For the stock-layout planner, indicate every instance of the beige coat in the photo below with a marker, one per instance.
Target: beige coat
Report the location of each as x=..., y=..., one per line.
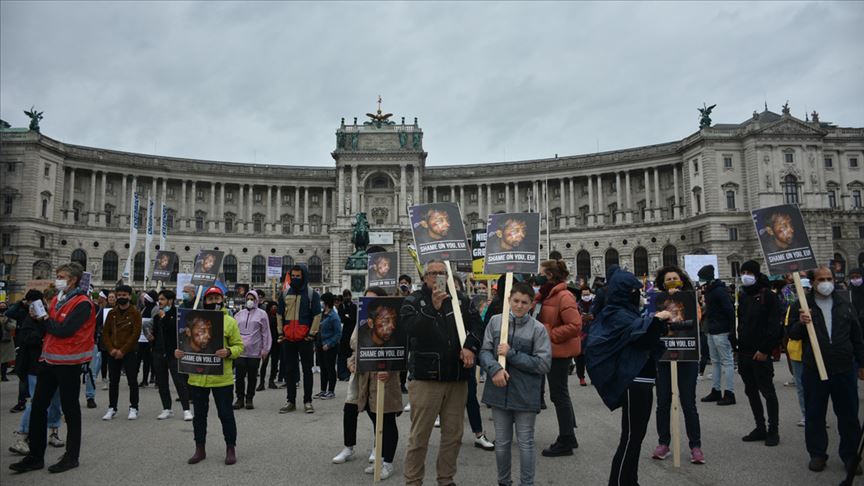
x=367, y=387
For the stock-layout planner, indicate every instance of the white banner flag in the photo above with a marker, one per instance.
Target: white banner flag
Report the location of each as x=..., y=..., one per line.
x=134, y=223
x=148, y=239
x=163, y=228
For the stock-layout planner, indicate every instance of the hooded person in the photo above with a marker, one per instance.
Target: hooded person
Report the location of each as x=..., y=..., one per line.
x=622, y=349
x=298, y=320
x=718, y=320
x=856, y=289
x=254, y=324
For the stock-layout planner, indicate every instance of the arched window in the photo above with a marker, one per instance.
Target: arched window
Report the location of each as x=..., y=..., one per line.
x=640, y=262
x=611, y=257
x=287, y=263
x=259, y=269
x=80, y=256
x=229, y=268
x=109, y=266
x=316, y=268
x=555, y=255
x=41, y=270
x=138, y=267
x=583, y=264
x=790, y=189
x=670, y=255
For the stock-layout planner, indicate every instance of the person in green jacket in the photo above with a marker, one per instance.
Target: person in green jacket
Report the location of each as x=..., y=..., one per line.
x=222, y=385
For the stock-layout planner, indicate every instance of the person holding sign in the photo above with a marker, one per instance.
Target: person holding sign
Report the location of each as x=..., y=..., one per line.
x=440, y=370
x=515, y=396
x=222, y=386
x=673, y=280
x=560, y=314
x=120, y=337
x=164, y=363
x=839, y=334
x=760, y=329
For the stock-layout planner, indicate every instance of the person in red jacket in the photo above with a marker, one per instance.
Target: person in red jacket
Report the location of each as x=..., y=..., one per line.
x=68, y=325
x=559, y=313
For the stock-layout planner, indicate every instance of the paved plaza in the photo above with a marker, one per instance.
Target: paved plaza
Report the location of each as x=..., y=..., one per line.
x=296, y=448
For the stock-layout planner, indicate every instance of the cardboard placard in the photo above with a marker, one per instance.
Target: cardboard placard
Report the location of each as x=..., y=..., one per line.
x=382, y=343
x=439, y=233
x=512, y=243
x=682, y=341
x=183, y=279
x=200, y=333
x=783, y=239
x=163, y=265
x=382, y=271
x=207, y=265
x=274, y=267
x=478, y=255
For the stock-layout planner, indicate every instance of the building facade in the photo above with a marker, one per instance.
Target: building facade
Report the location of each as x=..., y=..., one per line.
x=640, y=207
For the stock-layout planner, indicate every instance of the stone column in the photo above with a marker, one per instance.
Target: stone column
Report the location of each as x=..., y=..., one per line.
x=507, y=197
x=340, y=191
x=572, y=201
x=616, y=218
x=250, y=209
x=297, y=207
x=452, y=193
x=278, y=219
x=124, y=196
x=489, y=200
x=480, y=202
x=355, y=201
x=240, y=215
x=213, y=217
x=164, y=192
x=153, y=189
x=516, y=197
x=601, y=208
x=91, y=220
x=591, y=218
x=102, y=195
x=306, y=209
x=629, y=198
x=676, y=206
x=648, y=213
x=403, y=191
x=194, y=197
x=658, y=212
x=71, y=190
x=222, y=200
x=183, y=200
x=324, y=192
x=562, y=198
x=462, y=199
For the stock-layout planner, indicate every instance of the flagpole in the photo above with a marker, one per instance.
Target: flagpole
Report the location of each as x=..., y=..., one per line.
x=546, y=203
x=148, y=239
x=133, y=235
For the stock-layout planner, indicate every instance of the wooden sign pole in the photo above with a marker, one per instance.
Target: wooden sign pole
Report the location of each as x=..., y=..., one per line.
x=811, y=332
x=379, y=427
x=198, y=296
x=676, y=422
x=505, y=316
x=457, y=309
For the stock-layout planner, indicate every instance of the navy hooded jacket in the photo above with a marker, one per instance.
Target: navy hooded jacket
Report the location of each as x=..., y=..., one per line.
x=621, y=341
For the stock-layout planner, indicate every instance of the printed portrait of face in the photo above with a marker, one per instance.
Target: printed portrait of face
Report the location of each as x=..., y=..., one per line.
x=207, y=263
x=780, y=227
x=383, y=325
x=164, y=260
x=676, y=308
x=436, y=223
x=512, y=233
x=381, y=267
x=199, y=332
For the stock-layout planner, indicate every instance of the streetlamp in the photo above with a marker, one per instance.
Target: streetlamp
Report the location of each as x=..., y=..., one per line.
x=10, y=258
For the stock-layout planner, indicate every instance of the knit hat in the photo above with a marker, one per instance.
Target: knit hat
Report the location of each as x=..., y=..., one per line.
x=751, y=266
x=706, y=273
x=854, y=270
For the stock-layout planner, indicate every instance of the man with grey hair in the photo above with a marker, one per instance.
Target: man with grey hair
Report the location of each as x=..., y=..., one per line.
x=836, y=326
x=440, y=371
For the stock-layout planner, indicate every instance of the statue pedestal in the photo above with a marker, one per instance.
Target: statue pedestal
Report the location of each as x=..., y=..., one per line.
x=354, y=280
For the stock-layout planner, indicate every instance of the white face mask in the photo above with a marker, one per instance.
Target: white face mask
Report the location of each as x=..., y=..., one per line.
x=856, y=282
x=587, y=298
x=748, y=280
x=825, y=288
x=250, y=304
x=60, y=284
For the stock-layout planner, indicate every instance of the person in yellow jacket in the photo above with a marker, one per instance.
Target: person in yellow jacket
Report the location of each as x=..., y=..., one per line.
x=795, y=351
x=222, y=385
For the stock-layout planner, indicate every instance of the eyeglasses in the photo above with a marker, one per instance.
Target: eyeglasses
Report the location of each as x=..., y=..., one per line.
x=436, y=273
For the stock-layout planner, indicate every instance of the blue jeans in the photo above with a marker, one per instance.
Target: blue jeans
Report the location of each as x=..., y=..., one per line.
x=54, y=413
x=843, y=390
x=90, y=381
x=722, y=361
x=798, y=374
x=505, y=420
x=687, y=373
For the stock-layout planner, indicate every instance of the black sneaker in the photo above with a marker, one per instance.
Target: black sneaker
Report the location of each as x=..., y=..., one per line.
x=557, y=449
x=817, y=464
x=728, y=399
x=755, y=435
x=29, y=463
x=714, y=396
x=63, y=465
x=19, y=407
x=772, y=439
x=91, y=403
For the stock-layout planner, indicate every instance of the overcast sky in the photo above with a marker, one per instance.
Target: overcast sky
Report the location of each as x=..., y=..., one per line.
x=489, y=81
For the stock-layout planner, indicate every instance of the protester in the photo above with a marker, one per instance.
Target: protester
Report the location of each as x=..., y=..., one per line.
x=272, y=357
x=515, y=396
x=718, y=318
x=91, y=370
x=7, y=344
x=672, y=279
x=560, y=314
x=759, y=332
x=299, y=318
x=68, y=329
x=189, y=297
x=842, y=346
x=440, y=369
x=795, y=354
x=856, y=289
x=586, y=298
x=19, y=313
x=200, y=386
x=164, y=362
x=254, y=324
x=404, y=290
x=348, y=314
x=622, y=349
x=145, y=353
x=331, y=334
x=120, y=338
x=110, y=302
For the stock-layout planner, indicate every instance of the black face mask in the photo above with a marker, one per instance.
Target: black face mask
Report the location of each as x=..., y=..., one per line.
x=636, y=299
x=122, y=301
x=213, y=306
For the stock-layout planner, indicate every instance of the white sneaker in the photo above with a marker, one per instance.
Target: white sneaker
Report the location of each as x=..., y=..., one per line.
x=21, y=446
x=133, y=414
x=187, y=415
x=167, y=413
x=344, y=456
x=372, y=456
x=801, y=423
x=54, y=439
x=109, y=414
x=407, y=407
x=438, y=421
x=483, y=443
x=104, y=385
x=386, y=469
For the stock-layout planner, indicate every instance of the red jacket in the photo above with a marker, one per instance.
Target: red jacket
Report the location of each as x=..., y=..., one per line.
x=560, y=315
x=74, y=349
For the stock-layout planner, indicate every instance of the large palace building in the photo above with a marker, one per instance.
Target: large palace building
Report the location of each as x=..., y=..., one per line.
x=641, y=207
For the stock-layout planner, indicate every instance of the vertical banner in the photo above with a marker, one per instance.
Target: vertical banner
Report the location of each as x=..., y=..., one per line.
x=381, y=341
x=163, y=228
x=200, y=333
x=134, y=223
x=148, y=239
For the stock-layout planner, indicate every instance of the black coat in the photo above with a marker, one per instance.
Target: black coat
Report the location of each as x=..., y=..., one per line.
x=28, y=341
x=719, y=314
x=760, y=321
x=165, y=333
x=846, y=342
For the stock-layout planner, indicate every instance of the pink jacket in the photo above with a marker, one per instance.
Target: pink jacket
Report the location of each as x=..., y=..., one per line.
x=254, y=327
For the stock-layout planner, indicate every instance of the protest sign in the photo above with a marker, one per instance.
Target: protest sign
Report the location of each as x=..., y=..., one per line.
x=478, y=255
x=512, y=243
x=381, y=340
x=439, y=233
x=207, y=265
x=382, y=271
x=274, y=267
x=183, y=279
x=682, y=340
x=84, y=283
x=783, y=239
x=200, y=333
x=163, y=266
x=838, y=269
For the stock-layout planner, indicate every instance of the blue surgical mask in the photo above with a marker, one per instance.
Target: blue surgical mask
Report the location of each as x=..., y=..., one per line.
x=748, y=280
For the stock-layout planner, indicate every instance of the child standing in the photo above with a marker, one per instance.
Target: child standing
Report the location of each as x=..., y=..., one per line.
x=515, y=391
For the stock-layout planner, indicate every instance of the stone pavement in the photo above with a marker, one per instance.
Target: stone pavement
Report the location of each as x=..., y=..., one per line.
x=296, y=448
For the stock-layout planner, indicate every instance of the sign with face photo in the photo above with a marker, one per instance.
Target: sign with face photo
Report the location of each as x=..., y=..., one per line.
x=200, y=333
x=783, y=238
x=512, y=243
x=207, y=265
x=381, y=340
x=163, y=266
x=438, y=232
x=382, y=270
x=682, y=340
